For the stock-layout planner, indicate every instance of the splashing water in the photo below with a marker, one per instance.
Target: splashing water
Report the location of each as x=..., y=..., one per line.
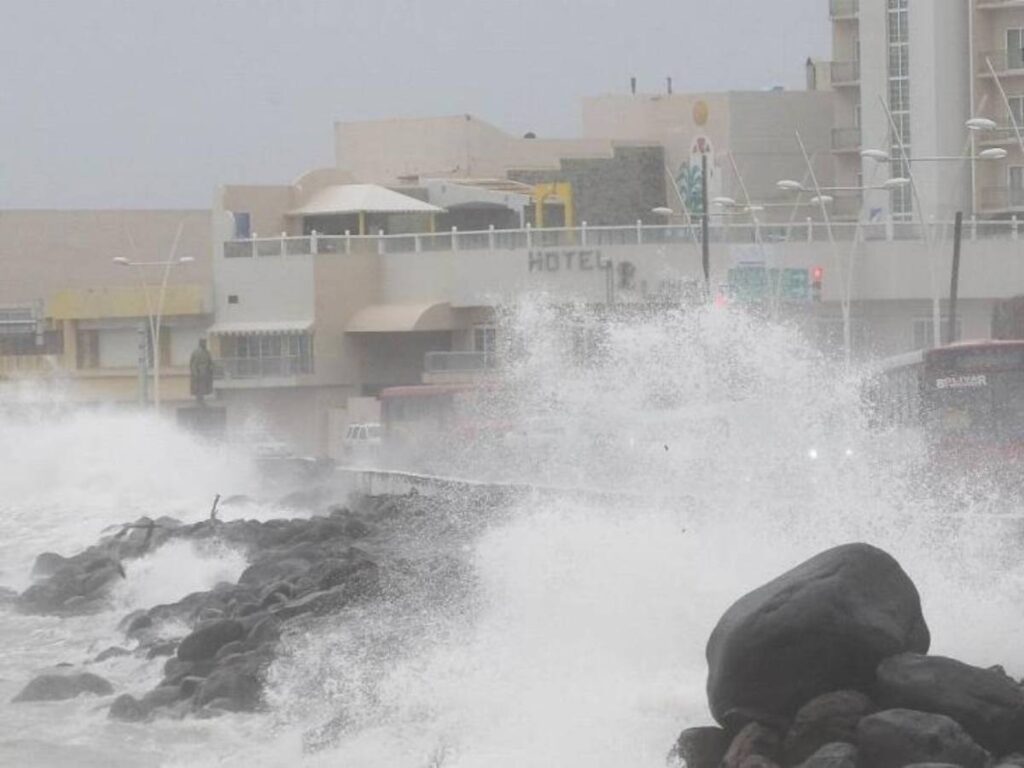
x=573, y=631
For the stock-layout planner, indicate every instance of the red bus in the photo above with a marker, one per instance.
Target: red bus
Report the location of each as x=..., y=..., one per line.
x=968, y=397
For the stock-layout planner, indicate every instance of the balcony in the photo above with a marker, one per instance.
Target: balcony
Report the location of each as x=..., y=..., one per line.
x=457, y=367
x=846, y=139
x=843, y=9
x=1004, y=62
x=845, y=73
x=995, y=5
x=1002, y=199
x=249, y=368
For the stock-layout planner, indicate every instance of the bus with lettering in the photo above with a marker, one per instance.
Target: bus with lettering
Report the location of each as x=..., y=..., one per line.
x=966, y=400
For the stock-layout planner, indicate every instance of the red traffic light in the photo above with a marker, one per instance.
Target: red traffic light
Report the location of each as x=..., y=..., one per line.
x=816, y=274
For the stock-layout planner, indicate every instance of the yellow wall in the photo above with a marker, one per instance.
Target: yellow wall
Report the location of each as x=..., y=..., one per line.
x=127, y=301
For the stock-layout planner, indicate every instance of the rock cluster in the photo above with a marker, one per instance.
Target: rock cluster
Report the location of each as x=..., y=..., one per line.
x=826, y=666
x=299, y=570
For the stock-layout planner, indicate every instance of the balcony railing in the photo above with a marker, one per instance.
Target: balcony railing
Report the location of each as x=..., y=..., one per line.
x=1003, y=61
x=845, y=139
x=845, y=72
x=262, y=367
x=985, y=5
x=843, y=9
x=459, y=362
x=1002, y=198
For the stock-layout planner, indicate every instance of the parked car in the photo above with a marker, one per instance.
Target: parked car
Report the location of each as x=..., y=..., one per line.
x=361, y=442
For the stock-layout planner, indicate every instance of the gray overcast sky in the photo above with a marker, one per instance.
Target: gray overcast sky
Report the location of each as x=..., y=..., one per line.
x=136, y=103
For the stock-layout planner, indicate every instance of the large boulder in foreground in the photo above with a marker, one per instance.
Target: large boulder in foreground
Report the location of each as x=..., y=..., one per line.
x=987, y=703
x=827, y=719
x=207, y=639
x=58, y=686
x=823, y=626
x=900, y=737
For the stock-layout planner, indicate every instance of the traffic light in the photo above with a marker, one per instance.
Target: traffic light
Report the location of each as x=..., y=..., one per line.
x=817, y=273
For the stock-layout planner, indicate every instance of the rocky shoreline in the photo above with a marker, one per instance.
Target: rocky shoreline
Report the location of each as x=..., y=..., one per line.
x=300, y=571
x=826, y=666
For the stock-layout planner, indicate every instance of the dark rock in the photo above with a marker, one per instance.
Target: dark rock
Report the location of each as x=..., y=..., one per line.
x=236, y=646
x=898, y=737
x=835, y=755
x=58, y=686
x=47, y=564
x=267, y=630
x=7, y=595
x=126, y=707
x=1016, y=760
x=112, y=652
x=988, y=704
x=139, y=623
x=278, y=592
x=162, y=696
x=831, y=717
x=190, y=685
x=176, y=670
x=239, y=686
x=701, y=747
x=324, y=601
x=205, y=641
x=823, y=626
x=166, y=648
x=758, y=761
x=101, y=577
x=272, y=570
x=753, y=739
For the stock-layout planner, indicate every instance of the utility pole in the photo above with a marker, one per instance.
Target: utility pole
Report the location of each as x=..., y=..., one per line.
x=143, y=364
x=705, y=224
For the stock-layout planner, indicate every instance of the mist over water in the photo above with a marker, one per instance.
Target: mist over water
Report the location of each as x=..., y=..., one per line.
x=571, y=630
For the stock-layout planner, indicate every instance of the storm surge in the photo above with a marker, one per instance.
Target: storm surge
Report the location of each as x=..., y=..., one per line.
x=547, y=629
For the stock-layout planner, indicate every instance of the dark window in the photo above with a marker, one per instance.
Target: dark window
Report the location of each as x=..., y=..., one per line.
x=233, y=298
x=243, y=225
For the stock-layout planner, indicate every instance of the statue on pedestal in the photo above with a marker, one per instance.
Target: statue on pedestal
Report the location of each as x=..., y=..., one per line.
x=201, y=370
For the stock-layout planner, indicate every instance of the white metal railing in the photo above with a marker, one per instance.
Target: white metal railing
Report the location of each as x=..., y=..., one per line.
x=262, y=367
x=845, y=72
x=585, y=237
x=443, y=362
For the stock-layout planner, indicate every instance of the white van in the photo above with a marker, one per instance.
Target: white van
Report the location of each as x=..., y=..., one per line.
x=361, y=442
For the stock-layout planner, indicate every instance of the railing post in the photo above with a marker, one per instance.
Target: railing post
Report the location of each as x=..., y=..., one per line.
x=583, y=233
x=417, y=243
x=490, y=236
x=810, y=230
x=283, y=244
x=255, y=250
x=974, y=227
x=639, y=232
x=314, y=246
x=890, y=229
x=348, y=242
x=1015, y=232
x=380, y=242
x=529, y=235
x=455, y=238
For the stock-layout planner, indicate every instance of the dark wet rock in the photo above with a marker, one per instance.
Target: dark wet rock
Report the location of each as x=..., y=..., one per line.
x=112, y=653
x=278, y=592
x=7, y=595
x=127, y=708
x=206, y=640
x=166, y=648
x=1016, y=760
x=834, y=755
x=753, y=740
x=831, y=717
x=47, y=564
x=316, y=603
x=162, y=696
x=189, y=685
x=237, y=689
x=267, y=630
x=139, y=623
x=988, y=704
x=822, y=626
x=61, y=686
x=273, y=570
x=230, y=649
x=701, y=747
x=896, y=738
x=247, y=609
x=176, y=670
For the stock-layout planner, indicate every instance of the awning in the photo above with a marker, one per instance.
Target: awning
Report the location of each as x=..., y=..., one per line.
x=401, y=318
x=361, y=198
x=267, y=326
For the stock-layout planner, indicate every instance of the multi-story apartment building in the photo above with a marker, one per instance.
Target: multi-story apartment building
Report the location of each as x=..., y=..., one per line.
x=907, y=77
x=76, y=321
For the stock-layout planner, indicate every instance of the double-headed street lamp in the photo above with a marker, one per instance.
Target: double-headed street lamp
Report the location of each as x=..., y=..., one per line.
x=154, y=318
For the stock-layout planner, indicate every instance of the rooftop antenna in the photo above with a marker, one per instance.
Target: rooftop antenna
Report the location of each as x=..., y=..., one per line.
x=668, y=84
x=632, y=85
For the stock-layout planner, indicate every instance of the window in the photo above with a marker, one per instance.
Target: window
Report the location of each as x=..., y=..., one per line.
x=1016, y=110
x=924, y=327
x=1015, y=48
x=88, y=349
x=233, y=298
x=243, y=225
x=256, y=355
x=485, y=339
x=1015, y=177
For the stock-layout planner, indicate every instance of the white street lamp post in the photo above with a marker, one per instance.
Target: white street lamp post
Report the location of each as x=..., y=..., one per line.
x=156, y=319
